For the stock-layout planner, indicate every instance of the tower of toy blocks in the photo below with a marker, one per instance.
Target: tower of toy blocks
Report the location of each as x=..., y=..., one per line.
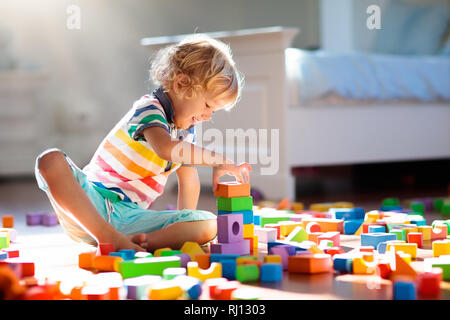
x=235, y=228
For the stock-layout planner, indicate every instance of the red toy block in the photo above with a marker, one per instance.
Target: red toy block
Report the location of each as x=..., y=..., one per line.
x=225, y=290
x=104, y=249
x=232, y=189
x=8, y=221
x=366, y=249
x=429, y=283
x=416, y=237
x=12, y=253
x=334, y=250
x=23, y=268
x=310, y=264
x=95, y=293
x=211, y=285
x=313, y=227
x=439, y=232
x=250, y=240
x=384, y=270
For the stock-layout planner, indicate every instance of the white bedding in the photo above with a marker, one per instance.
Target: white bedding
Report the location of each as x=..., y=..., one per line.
x=335, y=77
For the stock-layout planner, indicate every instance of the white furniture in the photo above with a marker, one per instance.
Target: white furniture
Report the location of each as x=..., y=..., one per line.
x=22, y=124
x=314, y=135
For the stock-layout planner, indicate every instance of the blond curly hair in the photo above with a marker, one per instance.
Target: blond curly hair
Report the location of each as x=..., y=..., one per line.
x=207, y=64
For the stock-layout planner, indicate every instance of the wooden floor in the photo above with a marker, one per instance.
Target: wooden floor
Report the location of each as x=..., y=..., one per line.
x=56, y=256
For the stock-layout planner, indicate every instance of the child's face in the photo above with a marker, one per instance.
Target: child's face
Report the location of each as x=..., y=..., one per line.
x=189, y=111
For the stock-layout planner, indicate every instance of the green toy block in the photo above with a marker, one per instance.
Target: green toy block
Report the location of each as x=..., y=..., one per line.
x=235, y=204
x=391, y=226
x=445, y=269
x=4, y=241
x=147, y=266
x=400, y=233
x=169, y=253
x=247, y=273
x=142, y=254
x=417, y=207
x=437, y=204
x=265, y=220
x=390, y=202
x=297, y=235
x=445, y=210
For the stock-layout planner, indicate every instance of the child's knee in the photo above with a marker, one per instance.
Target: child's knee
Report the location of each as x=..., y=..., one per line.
x=208, y=231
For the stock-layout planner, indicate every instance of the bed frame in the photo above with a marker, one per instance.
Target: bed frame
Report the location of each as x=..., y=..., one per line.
x=321, y=134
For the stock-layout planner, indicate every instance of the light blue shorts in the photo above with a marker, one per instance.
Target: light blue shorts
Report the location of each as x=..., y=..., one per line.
x=126, y=217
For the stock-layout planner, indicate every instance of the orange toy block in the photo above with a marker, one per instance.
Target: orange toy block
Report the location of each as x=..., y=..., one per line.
x=361, y=266
x=203, y=260
x=310, y=263
x=284, y=204
x=312, y=227
x=106, y=263
x=8, y=221
x=326, y=225
x=402, y=269
x=232, y=189
x=85, y=260
x=415, y=237
x=314, y=236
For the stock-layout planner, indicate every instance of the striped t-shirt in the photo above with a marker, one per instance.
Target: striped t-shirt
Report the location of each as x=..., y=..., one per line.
x=125, y=167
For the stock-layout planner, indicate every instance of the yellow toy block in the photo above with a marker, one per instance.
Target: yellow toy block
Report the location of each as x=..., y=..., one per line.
x=249, y=230
x=158, y=252
x=343, y=204
x=297, y=206
x=192, y=249
x=214, y=271
x=165, y=290
x=361, y=266
x=315, y=249
x=409, y=248
x=273, y=258
x=255, y=242
x=426, y=232
x=408, y=230
x=286, y=227
x=441, y=247
x=321, y=207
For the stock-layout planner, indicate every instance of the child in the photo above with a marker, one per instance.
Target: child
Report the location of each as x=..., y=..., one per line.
x=108, y=201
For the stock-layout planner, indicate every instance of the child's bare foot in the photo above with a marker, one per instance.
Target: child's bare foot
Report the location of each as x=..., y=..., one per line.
x=140, y=239
x=121, y=241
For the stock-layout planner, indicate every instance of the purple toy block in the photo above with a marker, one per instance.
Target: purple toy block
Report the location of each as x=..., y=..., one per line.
x=35, y=218
x=241, y=248
x=49, y=220
x=281, y=251
x=185, y=258
x=230, y=228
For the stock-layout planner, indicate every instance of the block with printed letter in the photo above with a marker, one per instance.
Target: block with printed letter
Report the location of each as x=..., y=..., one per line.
x=230, y=228
x=232, y=189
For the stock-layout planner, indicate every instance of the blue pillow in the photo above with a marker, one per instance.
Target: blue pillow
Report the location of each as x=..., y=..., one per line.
x=412, y=29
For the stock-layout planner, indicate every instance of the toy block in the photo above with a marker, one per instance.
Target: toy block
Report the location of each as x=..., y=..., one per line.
x=366, y=249
x=165, y=290
x=136, y=287
x=402, y=269
x=271, y=272
x=247, y=215
x=3, y=255
x=322, y=207
x=147, y=266
x=85, y=260
x=184, y=259
x=105, y=249
x=367, y=225
x=297, y=206
x=168, y=253
x=333, y=251
x=272, y=258
x=367, y=256
x=128, y=254
x=325, y=244
x=326, y=224
x=191, y=286
x=214, y=257
x=142, y=254
x=214, y=271
x=211, y=285
x=8, y=221
x=106, y=263
x=298, y=234
x=283, y=253
x=286, y=227
x=373, y=239
x=230, y=228
x=416, y=237
x=375, y=229
x=442, y=262
x=4, y=240
x=275, y=227
x=192, y=249
x=118, y=254
x=248, y=230
x=171, y=273
x=158, y=252
x=241, y=247
x=313, y=236
x=334, y=236
x=284, y=204
x=235, y=204
x=312, y=227
x=390, y=202
x=403, y=290
x=12, y=233
x=22, y=267
x=384, y=269
x=245, y=259
x=12, y=253
x=229, y=269
x=417, y=206
x=426, y=231
x=343, y=264
x=351, y=226
x=441, y=247
x=95, y=293
x=442, y=224
x=202, y=260
x=34, y=218
x=232, y=189
x=264, y=220
x=361, y=266
x=49, y=220
x=247, y=273
x=399, y=233
x=224, y=291
x=348, y=213
x=310, y=263
x=409, y=248
x=343, y=205
x=429, y=282
x=439, y=232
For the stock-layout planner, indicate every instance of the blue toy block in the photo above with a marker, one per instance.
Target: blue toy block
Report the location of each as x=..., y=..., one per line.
x=381, y=248
x=256, y=220
x=377, y=229
x=373, y=239
x=118, y=254
x=247, y=215
x=128, y=254
x=298, y=246
x=391, y=208
x=3, y=255
x=419, y=222
x=349, y=213
x=351, y=226
x=229, y=269
x=218, y=257
x=404, y=291
x=195, y=291
x=271, y=272
x=343, y=265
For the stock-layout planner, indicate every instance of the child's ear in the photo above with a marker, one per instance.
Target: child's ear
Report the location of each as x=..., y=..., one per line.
x=180, y=82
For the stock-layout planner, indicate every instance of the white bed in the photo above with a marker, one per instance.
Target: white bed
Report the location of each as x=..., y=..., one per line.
x=319, y=133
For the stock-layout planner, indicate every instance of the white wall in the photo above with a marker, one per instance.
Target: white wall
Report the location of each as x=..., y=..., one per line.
x=95, y=73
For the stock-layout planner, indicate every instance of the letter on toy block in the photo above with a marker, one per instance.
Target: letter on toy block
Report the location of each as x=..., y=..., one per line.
x=298, y=234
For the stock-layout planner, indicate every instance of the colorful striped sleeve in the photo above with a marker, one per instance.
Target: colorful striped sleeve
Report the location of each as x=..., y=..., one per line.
x=145, y=117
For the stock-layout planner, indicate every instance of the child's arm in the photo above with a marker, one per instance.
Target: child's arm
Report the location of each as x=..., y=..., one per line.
x=188, y=187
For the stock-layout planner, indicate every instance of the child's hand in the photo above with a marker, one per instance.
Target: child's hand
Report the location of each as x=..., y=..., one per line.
x=241, y=172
